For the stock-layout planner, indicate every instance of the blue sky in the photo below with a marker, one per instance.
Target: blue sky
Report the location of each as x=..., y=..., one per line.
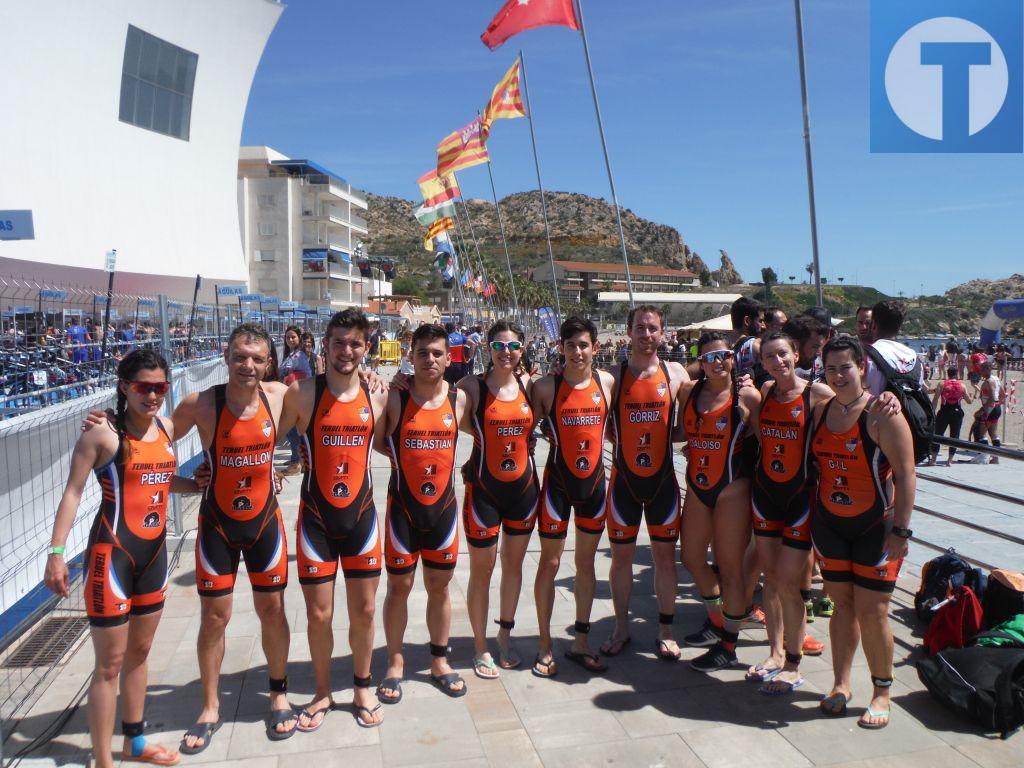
x=701, y=102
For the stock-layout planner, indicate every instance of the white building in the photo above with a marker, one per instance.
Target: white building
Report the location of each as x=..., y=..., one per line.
x=301, y=228
x=120, y=130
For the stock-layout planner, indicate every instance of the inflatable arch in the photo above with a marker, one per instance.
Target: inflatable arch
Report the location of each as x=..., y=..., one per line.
x=1001, y=311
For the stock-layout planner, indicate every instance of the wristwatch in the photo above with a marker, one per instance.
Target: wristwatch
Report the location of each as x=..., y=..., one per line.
x=903, y=533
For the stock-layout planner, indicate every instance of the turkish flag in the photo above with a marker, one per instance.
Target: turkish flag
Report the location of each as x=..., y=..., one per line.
x=519, y=15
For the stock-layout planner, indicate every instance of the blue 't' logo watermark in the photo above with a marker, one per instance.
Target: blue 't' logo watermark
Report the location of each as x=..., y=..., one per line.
x=946, y=76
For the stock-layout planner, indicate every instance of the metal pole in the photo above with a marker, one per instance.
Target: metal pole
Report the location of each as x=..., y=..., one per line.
x=465, y=251
x=604, y=149
x=476, y=244
x=192, y=318
x=504, y=242
x=807, y=151
x=540, y=186
x=165, y=350
x=106, y=323
x=465, y=248
x=216, y=312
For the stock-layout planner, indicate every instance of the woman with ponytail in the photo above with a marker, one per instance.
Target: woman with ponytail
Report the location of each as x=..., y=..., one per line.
x=502, y=490
x=126, y=559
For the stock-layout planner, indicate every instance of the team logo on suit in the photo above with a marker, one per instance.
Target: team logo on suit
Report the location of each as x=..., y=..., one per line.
x=596, y=397
x=508, y=465
x=364, y=413
x=583, y=463
x=428, y=489
x=245, y=483
x=152, y=520
x=851, y=444
x=266, y=427
x=796, y=411
x=643, y=460
x=340, y=491
x=721, y=423
x=242, y=504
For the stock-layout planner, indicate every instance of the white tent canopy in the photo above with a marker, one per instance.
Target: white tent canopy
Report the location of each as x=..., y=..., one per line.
x=723, y=323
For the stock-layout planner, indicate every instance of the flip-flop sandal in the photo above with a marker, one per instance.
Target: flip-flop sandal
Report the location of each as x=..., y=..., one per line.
x=588, y=661
x=762, y=674
x=828, y=705
x=202, y=731
x=663, y=652
x=391, y=683
x=551, y=667
x=869, y=712
x=150, y=754
x=508, y=659
x=280, y=717
x=614, y=647
x=366, y=723
x=480, y=662
x=312, y=716
x=779, y=687
x=446, y=683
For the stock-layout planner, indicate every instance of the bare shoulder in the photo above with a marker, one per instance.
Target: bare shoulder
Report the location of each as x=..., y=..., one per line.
x=607, y=380
x=686, y=388
x=168, y=426
x=750, y=397
x=544, y=387
x=820, y=392
x=379, y=401
x=677, y=372
x=275, y=389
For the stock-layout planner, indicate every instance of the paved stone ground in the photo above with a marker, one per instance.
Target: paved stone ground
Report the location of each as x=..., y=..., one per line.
x=642, y=712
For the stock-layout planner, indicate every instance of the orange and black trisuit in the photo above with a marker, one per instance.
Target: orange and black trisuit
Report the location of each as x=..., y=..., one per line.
x=643, y=481
x=574, y=474
x=337, y=518
x=126, y=559
x=502, y=490
x=715, y=444
x=239, y=516
x=780, y=498
x=852, y=506
x=422, y=517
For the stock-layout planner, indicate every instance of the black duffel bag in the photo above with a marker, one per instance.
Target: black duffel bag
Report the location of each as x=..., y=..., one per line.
x=979, y=683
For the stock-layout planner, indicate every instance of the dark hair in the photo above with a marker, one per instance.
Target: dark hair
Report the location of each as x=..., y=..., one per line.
x=350, y=318
x=951, y=373
x=642, y=309
x=575, y=325
x=888, y=316
x=842, y=343
x=429, y=332
x=273, y=372
x=801, y=327
x=252, y=331
x=743, y=308
x=502, y=326
x=820, y=314
x=290, y=329
x=709, y=337
x=131, y=364
x=861, y=308
x=776, y=336
x=770, y=313
x=449, y=327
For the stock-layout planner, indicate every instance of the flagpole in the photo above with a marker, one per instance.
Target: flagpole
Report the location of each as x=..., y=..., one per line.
x=540, y=186
x=504, y=242
x=476, y=243
x=807, y=151
x=604, y=148
x=459, y=240
x=465, y=241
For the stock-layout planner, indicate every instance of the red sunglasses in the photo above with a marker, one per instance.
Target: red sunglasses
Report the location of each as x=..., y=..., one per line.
x=146, y=387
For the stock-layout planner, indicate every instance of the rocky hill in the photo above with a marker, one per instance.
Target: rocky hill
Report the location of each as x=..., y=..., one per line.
x=582, y=228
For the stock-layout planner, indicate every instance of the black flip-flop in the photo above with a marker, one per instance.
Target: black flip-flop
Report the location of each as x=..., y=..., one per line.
x=663, y=653
x=446, y=681
x=280, y=717
x=621, y=643
x=825, y=705
x=551, y=666
x=364, y=723
x=202, y=731
x=392, y=683
x=312, y=716
x=597, y=666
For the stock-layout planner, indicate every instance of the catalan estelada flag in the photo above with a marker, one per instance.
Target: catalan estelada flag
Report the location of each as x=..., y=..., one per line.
x=437, y=189
x=506, y=99
x=461, y=149
x=435, y=229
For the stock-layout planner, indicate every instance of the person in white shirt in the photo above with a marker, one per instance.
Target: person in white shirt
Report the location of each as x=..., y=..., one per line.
x=886, y=321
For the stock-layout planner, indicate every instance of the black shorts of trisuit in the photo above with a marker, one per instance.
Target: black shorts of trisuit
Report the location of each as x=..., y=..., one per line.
x=318, y=550
x=483, y=515
x=556, y=505
x=264, y=548
x=405, y=544
x=119, y=584
x=779, y=515
x=625, y=511
x=853, y=549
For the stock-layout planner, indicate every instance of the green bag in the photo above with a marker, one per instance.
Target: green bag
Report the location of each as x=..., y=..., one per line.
x=1009, y=633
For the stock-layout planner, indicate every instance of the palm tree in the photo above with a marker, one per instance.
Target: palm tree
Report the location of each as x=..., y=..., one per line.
x=768, y=277
x=810, y=272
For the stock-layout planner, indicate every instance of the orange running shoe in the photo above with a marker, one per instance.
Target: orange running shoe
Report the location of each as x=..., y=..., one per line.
x=812, y=646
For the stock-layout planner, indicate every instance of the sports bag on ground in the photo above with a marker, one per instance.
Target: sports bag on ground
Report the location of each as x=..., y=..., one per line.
x=1004, y=597
x=955, y=624
x=940, y=576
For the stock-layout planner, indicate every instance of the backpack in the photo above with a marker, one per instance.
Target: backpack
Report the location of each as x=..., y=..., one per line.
x=1009, y=633
x=1004, y=597
x=914, y=401
x=955, y=624
x=982, y=684
x=940, y=576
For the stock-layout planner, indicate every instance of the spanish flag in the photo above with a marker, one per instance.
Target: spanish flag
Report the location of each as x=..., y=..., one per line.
x=506, y=100
x=461, y=149
x=437, y=189
x=435, y=229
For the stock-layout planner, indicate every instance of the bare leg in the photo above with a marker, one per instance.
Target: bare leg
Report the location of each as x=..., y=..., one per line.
x=620, y=578
x=439, y=617
x=844, y=634
x=585, y=584
x=360, y=596
x=276, y=639
x=790, y=570
x=481, y=567
x=544, y=592
x=215, y=613
x=135, y=673
x=872, y=610
x=665, y=584
x=319, y=615
x=396, y=617
x=768, y=555
x=109, y=645
x=513, y=552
